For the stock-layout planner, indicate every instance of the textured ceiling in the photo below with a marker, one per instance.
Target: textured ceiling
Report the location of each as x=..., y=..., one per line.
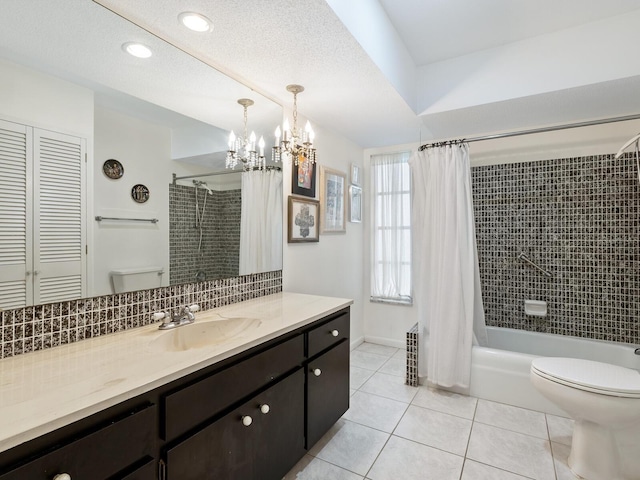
x=267, y=44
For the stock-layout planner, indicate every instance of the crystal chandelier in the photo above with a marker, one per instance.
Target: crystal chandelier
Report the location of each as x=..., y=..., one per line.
x=297, y=143
x=243, y=149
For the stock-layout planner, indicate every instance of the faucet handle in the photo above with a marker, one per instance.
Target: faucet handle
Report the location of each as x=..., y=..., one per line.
x=193, y=308
x=158, y=316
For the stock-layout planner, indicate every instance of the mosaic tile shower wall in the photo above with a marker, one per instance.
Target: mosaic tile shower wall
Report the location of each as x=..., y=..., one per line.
x=24, y=330
x=220, y=248
x=578, y=218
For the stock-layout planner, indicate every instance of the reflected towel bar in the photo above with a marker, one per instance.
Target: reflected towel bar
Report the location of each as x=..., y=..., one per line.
x=524, y=258
x=150, y=220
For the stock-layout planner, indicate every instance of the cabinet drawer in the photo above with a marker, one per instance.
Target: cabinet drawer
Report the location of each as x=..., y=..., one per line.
x=330, y=333
x=98, y=455
x=201, y=401
x=146, y=472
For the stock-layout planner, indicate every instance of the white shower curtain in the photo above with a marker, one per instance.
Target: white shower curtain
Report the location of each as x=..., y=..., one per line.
x=261, y=222
x=446, y=273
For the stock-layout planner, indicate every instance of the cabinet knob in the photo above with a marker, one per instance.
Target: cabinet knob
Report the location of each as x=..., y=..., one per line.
x=335, y=333
x=62, y=476
x=317, y=372
x=247, y=420
x=264, y=408
x=37, y=272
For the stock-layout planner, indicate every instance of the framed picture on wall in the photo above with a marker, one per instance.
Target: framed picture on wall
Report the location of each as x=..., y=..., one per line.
x=356, y=175
x=333, y=191
x=303, y=178
x=355, y=204
x=304, y=216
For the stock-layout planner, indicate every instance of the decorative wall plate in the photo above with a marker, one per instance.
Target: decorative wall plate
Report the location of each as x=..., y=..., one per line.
x=113, y=169
x=140, y=193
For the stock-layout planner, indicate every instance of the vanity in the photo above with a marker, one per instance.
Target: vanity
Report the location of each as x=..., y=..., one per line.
x=146, y=404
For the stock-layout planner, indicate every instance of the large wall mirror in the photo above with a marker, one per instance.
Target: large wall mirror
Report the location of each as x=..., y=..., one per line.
x=112, y=163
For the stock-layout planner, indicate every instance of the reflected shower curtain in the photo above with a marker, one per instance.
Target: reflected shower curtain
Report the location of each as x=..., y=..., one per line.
x=261, y=222
x=446, y=273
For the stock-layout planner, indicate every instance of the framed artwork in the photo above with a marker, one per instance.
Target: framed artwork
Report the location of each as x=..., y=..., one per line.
x=333, y=194
x=303, y=178
x=303, y=220
x=355, y=204
x=356, y=175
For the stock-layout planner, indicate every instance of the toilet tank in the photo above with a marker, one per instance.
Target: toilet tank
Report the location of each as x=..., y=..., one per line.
x=131, y=279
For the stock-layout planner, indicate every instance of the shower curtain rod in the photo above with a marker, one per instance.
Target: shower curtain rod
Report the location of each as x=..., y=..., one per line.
x=224, y=172
x=535, y=130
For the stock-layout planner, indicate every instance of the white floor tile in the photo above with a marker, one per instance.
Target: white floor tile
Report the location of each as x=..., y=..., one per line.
x=377, y=349
x=406, y=460
x=370, y=361
x=357, y=376
x=512, y=418
x=402, y=354
x=511, y=451
x=394, y=366
x=310, y=468
x=375, y=411
x=435, y=429
x=351, y=392
x=389, y=386
x=560, y=429
x=560, y=458
x=479, y=471
x=351, y=446
x=446, y=402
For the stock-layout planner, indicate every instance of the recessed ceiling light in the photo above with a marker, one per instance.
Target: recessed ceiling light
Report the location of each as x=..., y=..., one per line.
x=196, y=22
x=137, y=49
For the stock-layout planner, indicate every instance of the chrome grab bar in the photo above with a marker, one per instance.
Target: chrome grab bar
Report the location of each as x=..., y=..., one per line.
x=526, y=259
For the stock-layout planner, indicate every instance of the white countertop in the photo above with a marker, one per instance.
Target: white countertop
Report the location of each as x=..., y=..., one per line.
x=45, y=390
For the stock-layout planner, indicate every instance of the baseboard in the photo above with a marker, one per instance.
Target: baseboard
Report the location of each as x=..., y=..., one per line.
x=356, y=343
x=386, y=341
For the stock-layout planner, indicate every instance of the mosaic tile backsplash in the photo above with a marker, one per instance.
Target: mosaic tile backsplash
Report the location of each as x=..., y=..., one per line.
x=578, y=218
x=24, y=330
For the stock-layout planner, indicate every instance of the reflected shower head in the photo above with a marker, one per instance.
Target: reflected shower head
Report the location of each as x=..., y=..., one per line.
x=201, y=184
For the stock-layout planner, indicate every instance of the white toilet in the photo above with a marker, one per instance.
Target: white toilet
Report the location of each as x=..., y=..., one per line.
x=604, y=402
x=133, y=279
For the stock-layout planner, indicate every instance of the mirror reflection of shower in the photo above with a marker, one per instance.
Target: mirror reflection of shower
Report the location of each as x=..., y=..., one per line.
x=199, y=184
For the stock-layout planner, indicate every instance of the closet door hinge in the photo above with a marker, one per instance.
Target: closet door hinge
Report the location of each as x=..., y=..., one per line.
x=86, y=249
x=85, y=157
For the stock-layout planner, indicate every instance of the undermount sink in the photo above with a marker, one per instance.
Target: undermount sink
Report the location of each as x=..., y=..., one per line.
x=203, y=334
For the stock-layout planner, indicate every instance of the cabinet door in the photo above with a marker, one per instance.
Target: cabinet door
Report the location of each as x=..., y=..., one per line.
x=281, y=438
x=327, y=391
x=229, y=449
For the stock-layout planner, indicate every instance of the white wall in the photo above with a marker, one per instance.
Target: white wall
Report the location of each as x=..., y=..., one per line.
x=387, y=324
x=144, y=149
x=45, y=101
x=333, y=266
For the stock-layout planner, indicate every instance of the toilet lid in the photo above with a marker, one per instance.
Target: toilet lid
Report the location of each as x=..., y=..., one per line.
x=588, y=375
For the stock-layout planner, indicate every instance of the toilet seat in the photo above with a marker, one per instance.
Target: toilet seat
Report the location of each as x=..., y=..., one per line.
x=590, y=376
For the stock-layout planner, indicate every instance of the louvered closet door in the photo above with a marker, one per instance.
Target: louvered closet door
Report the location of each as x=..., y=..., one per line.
x=59, y=224
x=15, y=215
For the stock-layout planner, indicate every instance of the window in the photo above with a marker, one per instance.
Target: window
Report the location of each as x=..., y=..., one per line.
x=391, y=243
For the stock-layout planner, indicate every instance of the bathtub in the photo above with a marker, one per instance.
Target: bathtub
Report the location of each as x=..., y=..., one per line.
x=500, y=372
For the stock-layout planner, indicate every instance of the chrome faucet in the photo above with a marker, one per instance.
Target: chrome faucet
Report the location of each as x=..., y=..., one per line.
x=184, y=316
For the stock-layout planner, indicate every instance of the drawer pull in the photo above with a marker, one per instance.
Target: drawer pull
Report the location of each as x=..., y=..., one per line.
x=62, y=476
x=264, y=408
x=247, y=420
x=335, y=333
x=317, y=372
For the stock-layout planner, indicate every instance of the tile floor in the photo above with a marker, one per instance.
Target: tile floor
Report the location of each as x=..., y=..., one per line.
x=393, y=431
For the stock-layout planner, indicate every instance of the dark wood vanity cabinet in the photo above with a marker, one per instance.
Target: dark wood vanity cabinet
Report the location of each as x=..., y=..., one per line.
x=252, y=416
